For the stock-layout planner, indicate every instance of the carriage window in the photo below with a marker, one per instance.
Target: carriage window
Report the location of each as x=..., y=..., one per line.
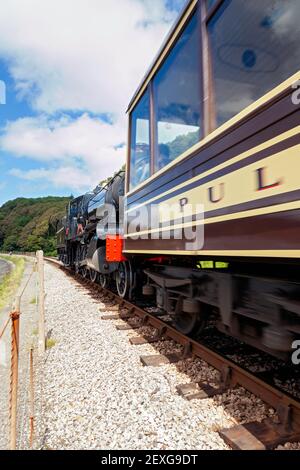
x=255, y=46
x=211, y=3
x=177, y=99
x=140, y=142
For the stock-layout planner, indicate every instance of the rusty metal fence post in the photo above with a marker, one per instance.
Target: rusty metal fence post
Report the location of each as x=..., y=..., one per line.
x=42, y=339
x=15, y=330
x=31, y=385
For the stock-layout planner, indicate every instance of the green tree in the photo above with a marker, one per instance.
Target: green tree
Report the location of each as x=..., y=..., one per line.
x=11, y=243
x=30, y=224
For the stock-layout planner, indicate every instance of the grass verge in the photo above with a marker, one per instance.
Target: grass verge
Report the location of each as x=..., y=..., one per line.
x=10, y=283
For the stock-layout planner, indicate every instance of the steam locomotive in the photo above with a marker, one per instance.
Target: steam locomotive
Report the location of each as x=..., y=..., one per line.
x=84, y=238
x=214, y=137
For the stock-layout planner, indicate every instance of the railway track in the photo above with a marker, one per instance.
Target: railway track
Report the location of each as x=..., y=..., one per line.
x=268, y=434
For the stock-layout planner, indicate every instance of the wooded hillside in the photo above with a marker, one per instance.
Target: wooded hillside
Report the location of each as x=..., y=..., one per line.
x=30, y=224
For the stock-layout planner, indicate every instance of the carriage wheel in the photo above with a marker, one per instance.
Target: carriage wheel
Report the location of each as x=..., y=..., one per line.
x=187, y=323
x=192, y=318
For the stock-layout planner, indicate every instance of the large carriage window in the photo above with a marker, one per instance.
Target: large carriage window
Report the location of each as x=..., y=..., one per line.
x=211, y=3
x=140, y=142
x=255, y=46
x=177, y=98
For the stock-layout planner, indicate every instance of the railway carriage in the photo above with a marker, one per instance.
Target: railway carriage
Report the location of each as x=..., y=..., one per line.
x=212, y=191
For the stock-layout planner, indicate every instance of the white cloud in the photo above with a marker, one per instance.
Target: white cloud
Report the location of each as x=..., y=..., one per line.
x=81, y=54
x=62, y=177
x=86, y=56
x=92, y=148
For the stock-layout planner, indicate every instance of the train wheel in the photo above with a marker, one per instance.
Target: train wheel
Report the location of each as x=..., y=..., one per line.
x=104, y=280
x=187, y=323
x=192, y=318
x=84, y=272
x=93, y=275
x=124, y=279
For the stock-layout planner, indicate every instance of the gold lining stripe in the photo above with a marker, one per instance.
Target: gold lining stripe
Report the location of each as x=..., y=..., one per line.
x=248, y=110
x=239, y=188
x=213, y=220
x=253, y=253
x=248, y=153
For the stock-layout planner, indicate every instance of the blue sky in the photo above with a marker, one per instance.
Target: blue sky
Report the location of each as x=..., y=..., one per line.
x=70, y=68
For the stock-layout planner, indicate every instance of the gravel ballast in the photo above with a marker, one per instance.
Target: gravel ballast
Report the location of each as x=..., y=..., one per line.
x=92, y=391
